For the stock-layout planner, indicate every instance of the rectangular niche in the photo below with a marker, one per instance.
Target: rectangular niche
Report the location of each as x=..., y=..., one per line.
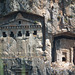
x=64, y=56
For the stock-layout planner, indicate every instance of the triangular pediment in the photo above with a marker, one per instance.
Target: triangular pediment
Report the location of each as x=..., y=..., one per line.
x=19, y=16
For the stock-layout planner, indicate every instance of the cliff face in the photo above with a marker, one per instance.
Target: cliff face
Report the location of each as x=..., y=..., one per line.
x=59, y=18
x=56, y=12
x=35, y=6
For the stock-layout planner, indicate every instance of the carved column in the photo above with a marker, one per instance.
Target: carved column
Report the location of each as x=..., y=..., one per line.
x=72, y=55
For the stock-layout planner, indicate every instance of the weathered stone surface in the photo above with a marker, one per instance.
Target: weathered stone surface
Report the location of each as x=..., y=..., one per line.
x=59, y=18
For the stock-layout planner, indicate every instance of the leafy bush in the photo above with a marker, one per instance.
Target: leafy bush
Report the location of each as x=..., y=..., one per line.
x=35, y=22
x=49, y=20
x=65, y=20
x=70, y=16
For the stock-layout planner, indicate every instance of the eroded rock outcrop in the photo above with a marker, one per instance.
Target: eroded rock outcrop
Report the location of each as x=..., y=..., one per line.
x=59, y=18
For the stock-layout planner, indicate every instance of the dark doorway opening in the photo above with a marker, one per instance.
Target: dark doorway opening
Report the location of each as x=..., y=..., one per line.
x=74, y=55
x=64, y=59
x=19, y=34
x=11, y=34
x=19, y=22
x=65, y=56
x=27, y=33
x=35, y=33
x=4, y=34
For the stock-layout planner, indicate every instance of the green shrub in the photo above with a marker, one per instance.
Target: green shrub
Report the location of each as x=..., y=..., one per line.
x=35, y=22
x=65, y=20
x=70, y=16
x=49, y=20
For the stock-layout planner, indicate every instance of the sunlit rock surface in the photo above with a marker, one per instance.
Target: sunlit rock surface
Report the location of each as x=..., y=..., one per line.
x=59, y=19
